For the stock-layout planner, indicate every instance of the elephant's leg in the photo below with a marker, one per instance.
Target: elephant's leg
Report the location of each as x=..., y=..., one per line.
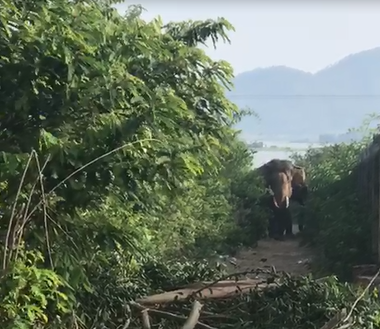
x=271, y=226
x=278, y=225
x=301, y=220
x=284, y=224
x=288, y=222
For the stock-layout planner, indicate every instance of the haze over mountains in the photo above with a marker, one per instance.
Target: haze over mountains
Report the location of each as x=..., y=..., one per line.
x=293, y=104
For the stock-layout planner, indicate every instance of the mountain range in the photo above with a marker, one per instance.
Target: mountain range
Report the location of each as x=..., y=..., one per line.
x=294, y=104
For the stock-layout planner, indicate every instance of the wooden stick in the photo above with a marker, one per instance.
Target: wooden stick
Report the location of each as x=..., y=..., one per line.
x=193, y=318
x=145, y=319
x=254, y=271
x=168, y=315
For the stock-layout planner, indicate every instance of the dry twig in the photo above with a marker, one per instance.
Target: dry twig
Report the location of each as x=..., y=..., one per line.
x=145, y=319
x=193, y=318
x=87, y=165
x=44, y=205
x=14, y=211
x=256, y=271
x=25, y=221
x=170, y=316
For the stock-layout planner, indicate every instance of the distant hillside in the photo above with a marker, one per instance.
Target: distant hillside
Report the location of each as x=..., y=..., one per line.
x=299, y=104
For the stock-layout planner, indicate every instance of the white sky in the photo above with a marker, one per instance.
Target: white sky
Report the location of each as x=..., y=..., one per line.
x=292, y=33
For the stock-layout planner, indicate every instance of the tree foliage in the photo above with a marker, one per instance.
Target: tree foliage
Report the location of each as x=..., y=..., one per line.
x=119, y=160
x=117, y=148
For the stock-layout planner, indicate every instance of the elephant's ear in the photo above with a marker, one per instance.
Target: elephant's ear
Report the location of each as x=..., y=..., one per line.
x=299, y=176
x=266, y=172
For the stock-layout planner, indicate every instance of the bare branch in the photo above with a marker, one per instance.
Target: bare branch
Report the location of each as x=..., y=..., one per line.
x=14, y=211
x=192, y=320
x=168, y=315
x=145, y=319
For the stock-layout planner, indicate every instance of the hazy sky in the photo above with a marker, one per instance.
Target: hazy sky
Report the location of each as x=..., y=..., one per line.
x=292, y=33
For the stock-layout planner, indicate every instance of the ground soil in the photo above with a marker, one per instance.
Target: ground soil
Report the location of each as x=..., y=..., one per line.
x=285, y=255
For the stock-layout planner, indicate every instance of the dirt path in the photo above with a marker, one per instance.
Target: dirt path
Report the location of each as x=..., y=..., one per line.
x=286, y=256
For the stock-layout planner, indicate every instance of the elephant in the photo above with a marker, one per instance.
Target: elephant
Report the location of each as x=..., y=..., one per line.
x=287, y=182
x=292, y=177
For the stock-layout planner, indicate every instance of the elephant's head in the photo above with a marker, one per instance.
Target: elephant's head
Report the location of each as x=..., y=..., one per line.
x=273, y=167
x=295, y=177
x=282, y=189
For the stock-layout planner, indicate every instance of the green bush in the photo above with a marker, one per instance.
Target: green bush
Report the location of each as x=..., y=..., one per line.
x=117, y=145
x=336, y=222
x=119, y=161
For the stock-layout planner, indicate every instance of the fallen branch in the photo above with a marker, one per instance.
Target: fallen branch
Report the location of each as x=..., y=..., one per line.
x=167, y=315
x=193, y=318
x=145, y=319
x=256, y=271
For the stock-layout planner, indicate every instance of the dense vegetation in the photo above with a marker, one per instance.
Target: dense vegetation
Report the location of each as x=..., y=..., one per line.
x=120, y=169
x=337, y=218
x=117, y=152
